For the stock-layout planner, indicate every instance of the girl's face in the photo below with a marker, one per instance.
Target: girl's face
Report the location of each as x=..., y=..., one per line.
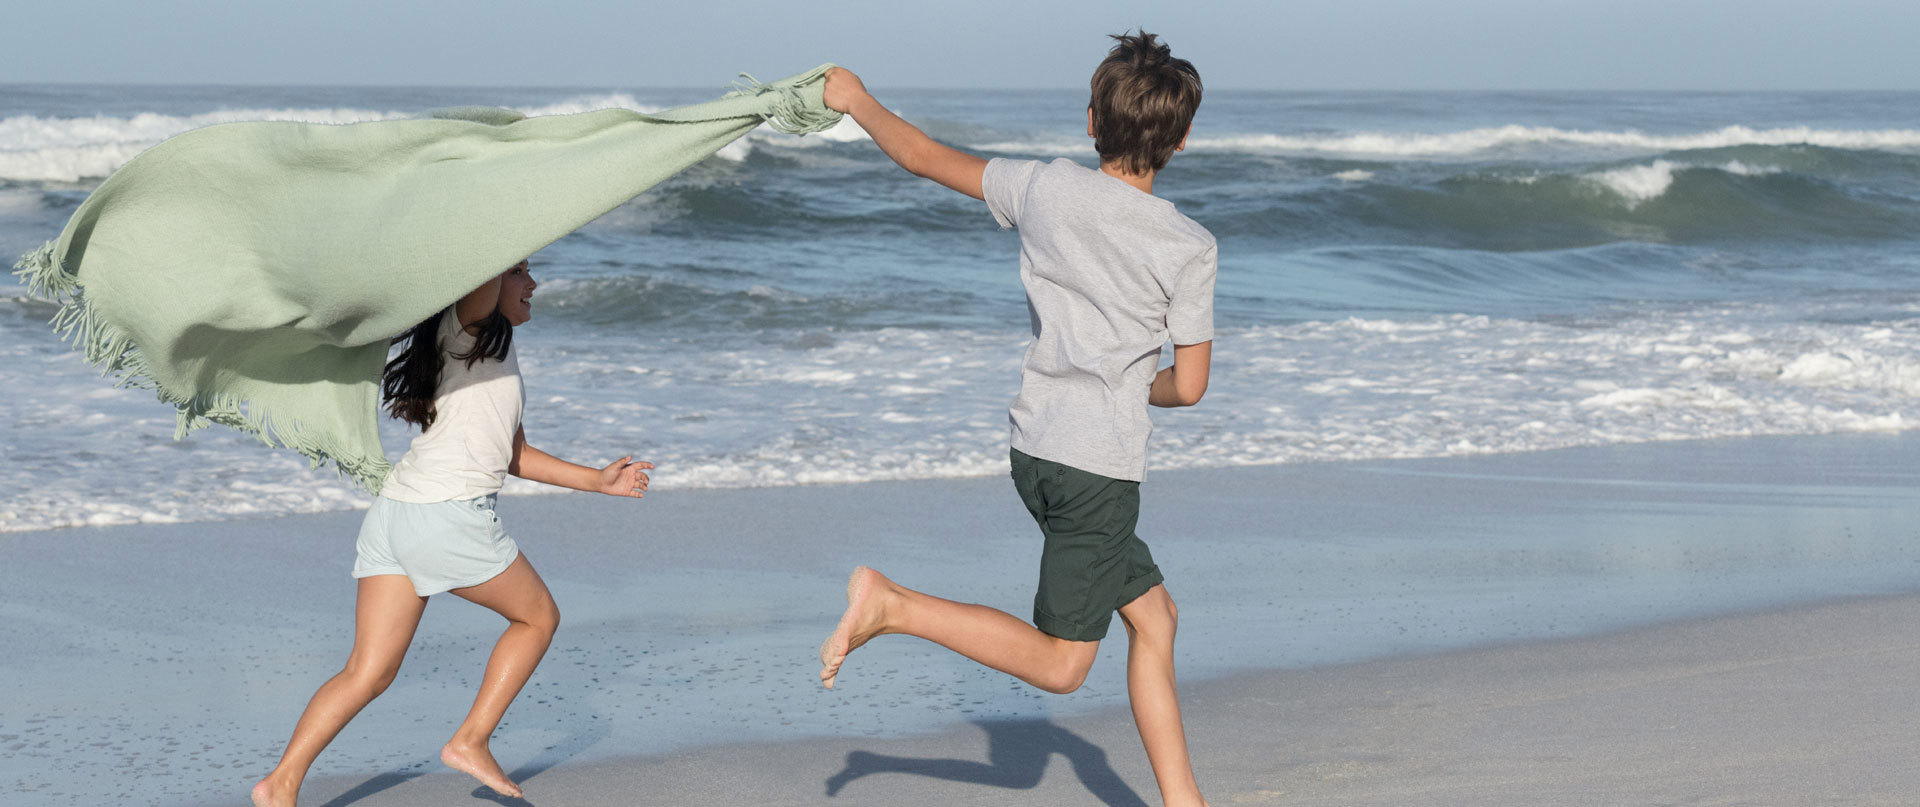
x=516, y=294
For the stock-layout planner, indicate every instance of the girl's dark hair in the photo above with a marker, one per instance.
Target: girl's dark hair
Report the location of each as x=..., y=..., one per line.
x=412, y=378
x=1143, y=102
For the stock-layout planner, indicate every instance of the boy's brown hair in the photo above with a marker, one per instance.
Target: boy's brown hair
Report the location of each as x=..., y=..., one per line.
x=1143, y=103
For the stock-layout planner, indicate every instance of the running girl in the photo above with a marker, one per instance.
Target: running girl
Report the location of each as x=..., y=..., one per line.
x=433, y=529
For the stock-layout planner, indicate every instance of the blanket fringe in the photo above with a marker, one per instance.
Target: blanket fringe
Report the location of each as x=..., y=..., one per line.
x=109, y=349
x=43, y=276
x=791, y=113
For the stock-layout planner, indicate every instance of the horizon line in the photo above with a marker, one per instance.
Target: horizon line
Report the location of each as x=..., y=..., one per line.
x=950, y=88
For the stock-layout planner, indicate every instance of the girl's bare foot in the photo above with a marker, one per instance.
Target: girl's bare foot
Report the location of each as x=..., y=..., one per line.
x=266, y=794
x=477, y=762
x=861, y=622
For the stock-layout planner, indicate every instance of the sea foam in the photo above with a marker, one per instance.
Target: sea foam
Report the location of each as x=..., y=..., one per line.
x=894, y=404
x=1491, y=141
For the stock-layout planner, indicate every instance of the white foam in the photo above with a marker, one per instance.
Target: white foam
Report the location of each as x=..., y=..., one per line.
x=1481, y=141
x=1637, y=183
x=1416, y=144
x=34, y=148
x=1745, y=170
x=846, y=131
x=1876, y=370
x=735, y=151
x=68, y=164
x=591, y=103
x=1058, y=147
x=912, y=404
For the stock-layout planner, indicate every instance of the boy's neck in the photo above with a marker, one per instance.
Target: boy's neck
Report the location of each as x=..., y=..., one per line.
x=1142, y=181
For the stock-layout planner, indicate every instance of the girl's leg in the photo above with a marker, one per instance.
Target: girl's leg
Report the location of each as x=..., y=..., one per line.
x=877, y=606
x=384, y=616
x=522, y=597
x=1151, y=619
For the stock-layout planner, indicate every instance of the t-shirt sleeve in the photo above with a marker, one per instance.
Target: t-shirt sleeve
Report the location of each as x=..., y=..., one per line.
x=1004, y=183
x=1190, y=314
x=449, y=328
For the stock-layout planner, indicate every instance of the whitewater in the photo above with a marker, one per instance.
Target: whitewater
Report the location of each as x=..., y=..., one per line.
x=1402, y=275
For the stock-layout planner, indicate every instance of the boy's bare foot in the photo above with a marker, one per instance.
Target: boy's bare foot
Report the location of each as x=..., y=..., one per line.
x=478, y=763
x=265, y=794
x=861, y=622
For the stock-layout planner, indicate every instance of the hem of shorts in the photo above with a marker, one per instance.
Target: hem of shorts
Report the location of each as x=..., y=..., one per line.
x=1138, y=587
x=1070, y=630
x=359, y=573
x=472, y=581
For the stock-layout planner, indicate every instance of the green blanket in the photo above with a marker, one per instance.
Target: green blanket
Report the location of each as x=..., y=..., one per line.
x=253, y=273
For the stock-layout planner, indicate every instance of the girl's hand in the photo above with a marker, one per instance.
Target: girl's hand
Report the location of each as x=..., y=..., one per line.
x=624, y=477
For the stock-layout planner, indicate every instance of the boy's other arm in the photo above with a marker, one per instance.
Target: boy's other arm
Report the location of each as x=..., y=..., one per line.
x=1182, y=383
x=921, y=155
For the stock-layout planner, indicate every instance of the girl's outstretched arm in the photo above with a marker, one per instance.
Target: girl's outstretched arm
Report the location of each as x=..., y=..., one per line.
x=622, y=477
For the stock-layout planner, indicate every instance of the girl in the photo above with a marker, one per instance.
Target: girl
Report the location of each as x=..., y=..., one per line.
x=433, y=529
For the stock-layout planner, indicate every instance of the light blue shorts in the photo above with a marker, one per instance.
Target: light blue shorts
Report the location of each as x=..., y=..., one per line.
x=438, y=546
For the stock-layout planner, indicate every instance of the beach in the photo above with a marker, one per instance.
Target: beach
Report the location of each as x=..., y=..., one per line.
x=1710, y=622
x=1559, y=449
x=1809, y=705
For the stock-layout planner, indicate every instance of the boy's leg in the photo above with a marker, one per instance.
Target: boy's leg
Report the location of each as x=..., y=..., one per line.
x=385, y=613
x=1151, y=620
x=877, y=606
x=1075, y=512
x=532, y=617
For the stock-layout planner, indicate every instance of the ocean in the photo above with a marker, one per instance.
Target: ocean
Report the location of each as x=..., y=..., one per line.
x=1401, y=275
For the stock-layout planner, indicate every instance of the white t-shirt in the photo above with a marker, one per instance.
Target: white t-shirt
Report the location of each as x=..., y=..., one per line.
x=465, y=453
x=1112, y=273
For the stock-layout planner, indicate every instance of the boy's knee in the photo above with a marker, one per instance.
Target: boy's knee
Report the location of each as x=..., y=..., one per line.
x=1153, y=615
x=1066, y=676
x=1065, y=680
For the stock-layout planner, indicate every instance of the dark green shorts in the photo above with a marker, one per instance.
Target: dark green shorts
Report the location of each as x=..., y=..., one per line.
x=1093, y=563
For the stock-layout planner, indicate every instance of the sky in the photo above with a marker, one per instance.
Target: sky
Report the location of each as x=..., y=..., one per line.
x=1237, y=44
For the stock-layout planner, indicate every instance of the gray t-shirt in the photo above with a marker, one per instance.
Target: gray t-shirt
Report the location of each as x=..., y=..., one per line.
x=1111, y=274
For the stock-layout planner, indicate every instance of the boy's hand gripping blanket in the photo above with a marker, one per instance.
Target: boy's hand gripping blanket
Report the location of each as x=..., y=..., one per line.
x=254, y=273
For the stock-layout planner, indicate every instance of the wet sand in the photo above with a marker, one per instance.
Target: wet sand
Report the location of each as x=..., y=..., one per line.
x=1403, y=631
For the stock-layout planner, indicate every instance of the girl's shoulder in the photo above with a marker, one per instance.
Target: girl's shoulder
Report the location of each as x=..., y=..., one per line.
x=452, y=336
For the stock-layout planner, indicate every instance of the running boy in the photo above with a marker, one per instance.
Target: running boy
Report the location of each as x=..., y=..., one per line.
x=1112, y=272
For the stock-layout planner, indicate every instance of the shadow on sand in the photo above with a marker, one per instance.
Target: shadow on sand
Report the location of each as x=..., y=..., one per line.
x=586, y=734
x=1017, y=755
x=375, y=785
x=592, y=730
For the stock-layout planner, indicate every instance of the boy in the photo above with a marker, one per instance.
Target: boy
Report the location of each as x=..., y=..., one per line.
x=1111, y=273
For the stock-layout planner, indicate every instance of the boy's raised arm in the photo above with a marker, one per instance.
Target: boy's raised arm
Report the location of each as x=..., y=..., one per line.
x=921, y=155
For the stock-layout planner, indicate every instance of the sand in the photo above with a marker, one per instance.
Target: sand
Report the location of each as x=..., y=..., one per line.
x=1714, y=622
x=1804, y=706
